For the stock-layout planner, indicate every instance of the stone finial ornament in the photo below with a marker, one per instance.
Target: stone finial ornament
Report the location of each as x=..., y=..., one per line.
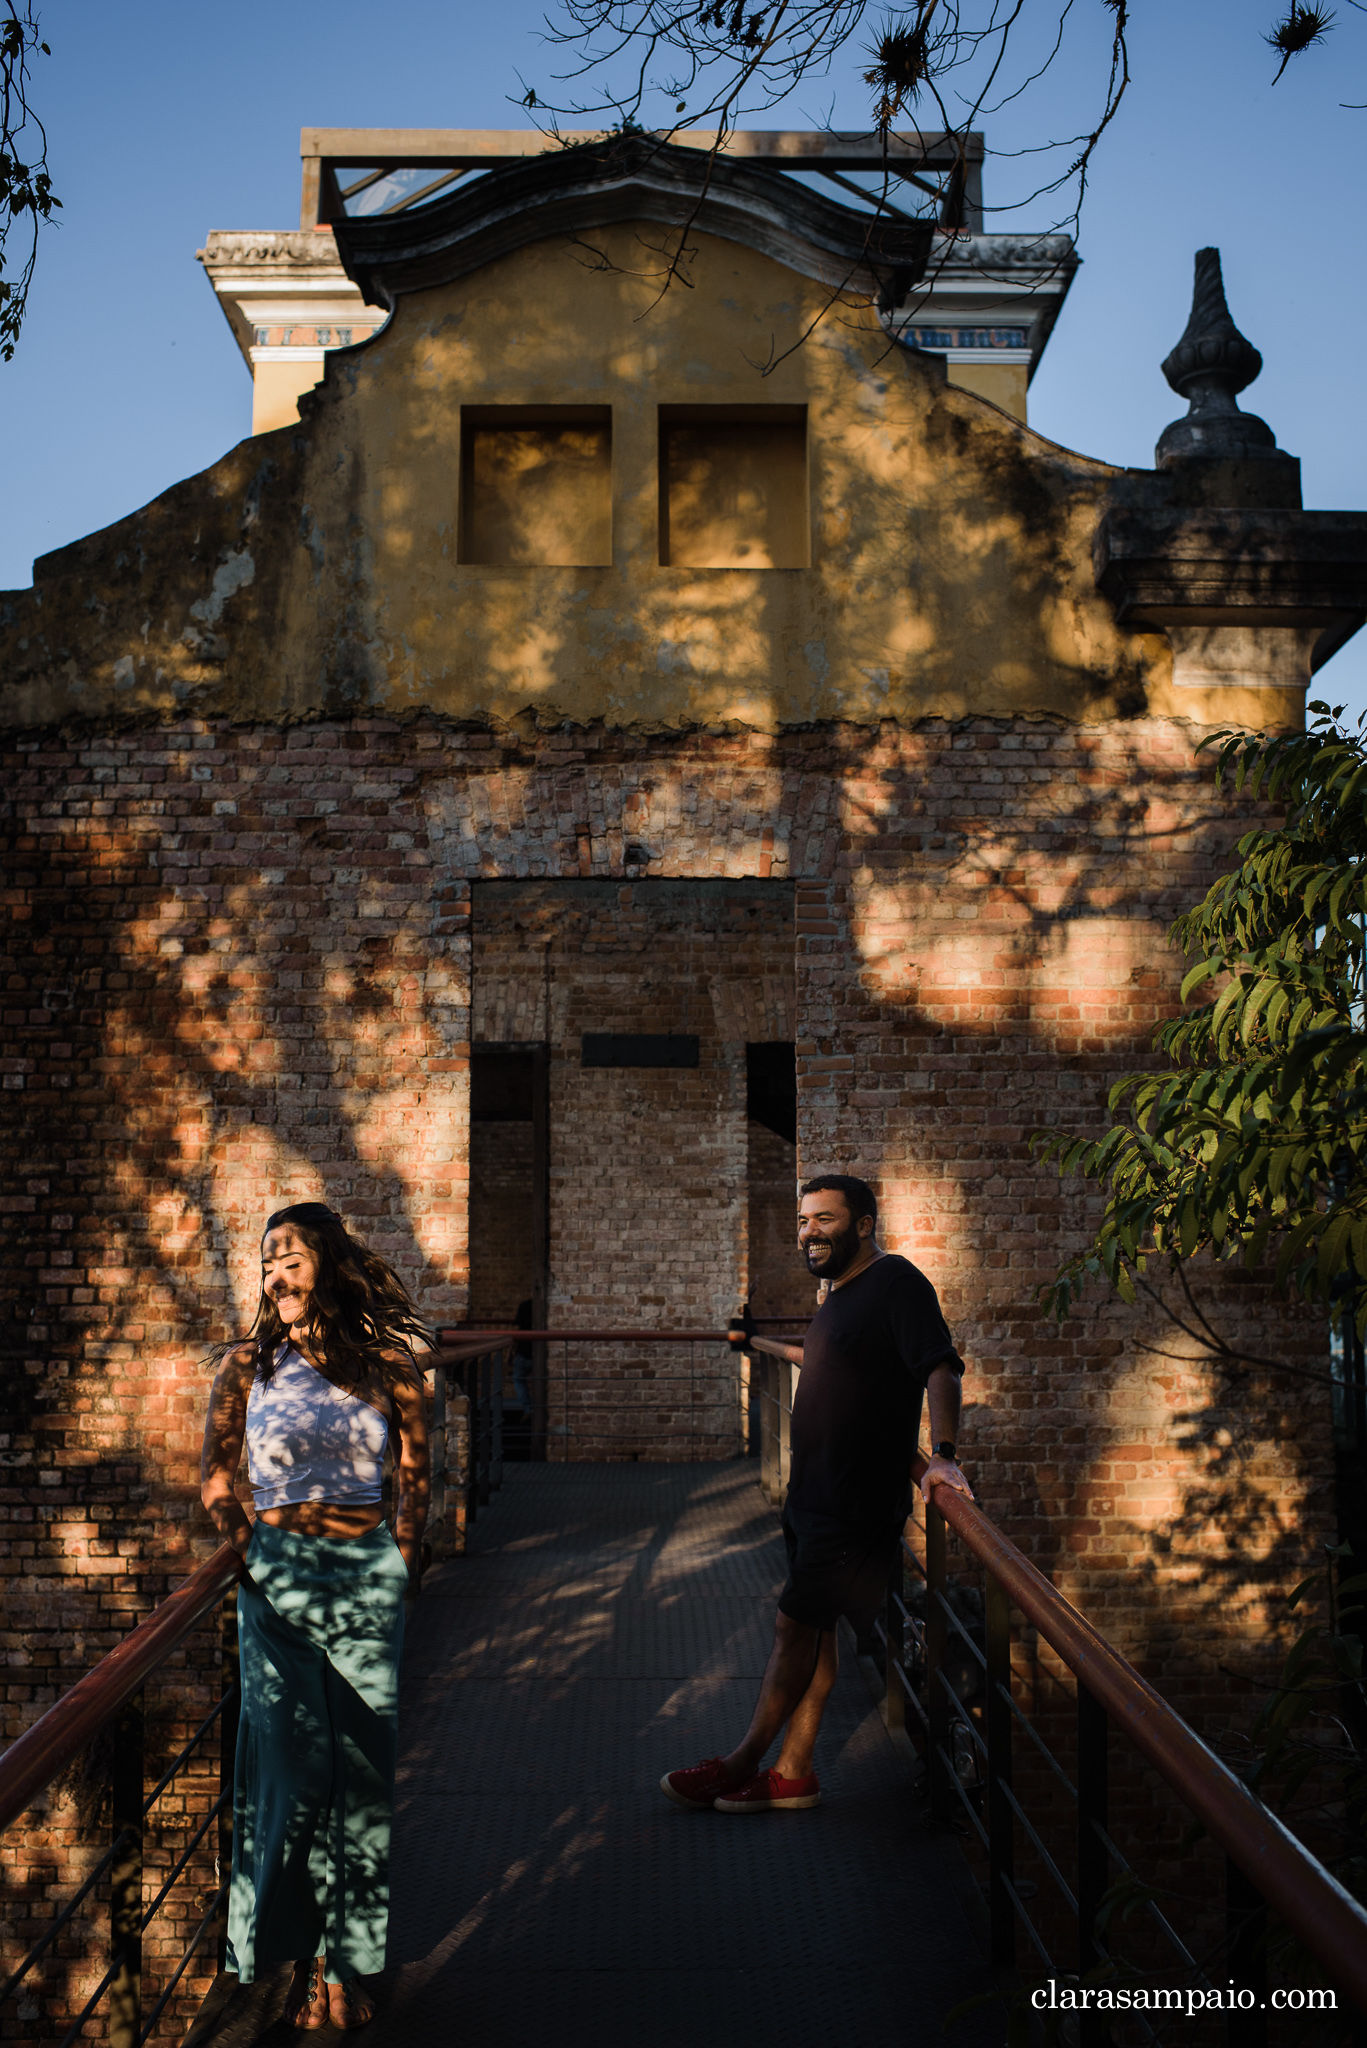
x=1209, y=365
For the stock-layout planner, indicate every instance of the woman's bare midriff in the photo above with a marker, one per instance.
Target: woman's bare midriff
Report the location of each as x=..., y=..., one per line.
x=323, y=1518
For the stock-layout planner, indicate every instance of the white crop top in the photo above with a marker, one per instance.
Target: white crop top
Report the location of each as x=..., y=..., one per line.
x=310, y=1440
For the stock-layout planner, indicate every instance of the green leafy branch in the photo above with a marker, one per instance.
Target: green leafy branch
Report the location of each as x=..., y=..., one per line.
x=1251, y=1139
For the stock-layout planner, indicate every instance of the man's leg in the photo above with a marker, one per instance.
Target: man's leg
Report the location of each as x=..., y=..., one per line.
x=804, y=1723
x=797, y=1684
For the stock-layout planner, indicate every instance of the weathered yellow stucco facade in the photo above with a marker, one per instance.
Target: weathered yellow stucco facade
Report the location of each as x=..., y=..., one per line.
x=318, y=568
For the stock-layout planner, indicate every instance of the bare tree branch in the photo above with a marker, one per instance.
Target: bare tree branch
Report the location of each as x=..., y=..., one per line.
x=1213, y=1344
x=670, y=64
x=713, y=62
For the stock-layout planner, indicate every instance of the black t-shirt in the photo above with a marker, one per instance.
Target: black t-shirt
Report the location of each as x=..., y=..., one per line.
x=865, y=1360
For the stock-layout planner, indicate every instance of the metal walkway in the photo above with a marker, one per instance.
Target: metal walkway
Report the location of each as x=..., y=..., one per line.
x=612, y=1623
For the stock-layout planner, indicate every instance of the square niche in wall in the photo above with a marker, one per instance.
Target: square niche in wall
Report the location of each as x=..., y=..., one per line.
x=733, y=487
x=536, y=484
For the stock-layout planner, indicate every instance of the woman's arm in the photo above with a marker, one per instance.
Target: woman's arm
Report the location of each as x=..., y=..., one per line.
x=222, y=1454
x=414, y=1470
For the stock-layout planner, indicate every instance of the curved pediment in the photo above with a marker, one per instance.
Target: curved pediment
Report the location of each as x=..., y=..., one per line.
x=593, y=185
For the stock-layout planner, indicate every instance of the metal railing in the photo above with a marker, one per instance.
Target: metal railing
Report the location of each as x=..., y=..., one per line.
x=111, y=1696
x=467, y=1433
x=108, y=1701
x=1266, y=1866
x=558, y=1428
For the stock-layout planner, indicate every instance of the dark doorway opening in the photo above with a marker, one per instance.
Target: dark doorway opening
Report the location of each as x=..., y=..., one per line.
x=509, y=1188
x=771, y=1088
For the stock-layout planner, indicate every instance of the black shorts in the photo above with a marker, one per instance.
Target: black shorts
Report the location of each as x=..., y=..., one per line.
x=836, y=1568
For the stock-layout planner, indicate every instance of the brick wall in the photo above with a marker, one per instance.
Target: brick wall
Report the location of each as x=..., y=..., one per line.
x=236, y=972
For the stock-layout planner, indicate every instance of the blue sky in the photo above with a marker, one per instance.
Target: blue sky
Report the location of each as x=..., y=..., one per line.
x=165, y=121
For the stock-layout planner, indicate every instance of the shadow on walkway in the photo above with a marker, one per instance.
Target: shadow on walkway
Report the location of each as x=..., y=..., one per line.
x=612, y=1623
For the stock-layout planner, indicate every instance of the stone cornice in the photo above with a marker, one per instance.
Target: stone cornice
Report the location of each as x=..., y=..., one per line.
x=1265, y=567
x=1004, y=256
x=576, y=191
x=282, y=249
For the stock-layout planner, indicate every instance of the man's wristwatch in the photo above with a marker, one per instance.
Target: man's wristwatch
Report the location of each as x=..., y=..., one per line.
x=946, y=1450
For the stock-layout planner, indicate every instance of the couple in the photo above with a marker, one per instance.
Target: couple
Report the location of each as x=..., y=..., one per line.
x=322, y=1385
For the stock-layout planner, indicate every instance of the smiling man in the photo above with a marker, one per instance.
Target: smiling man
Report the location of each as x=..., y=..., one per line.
x=875, y=1346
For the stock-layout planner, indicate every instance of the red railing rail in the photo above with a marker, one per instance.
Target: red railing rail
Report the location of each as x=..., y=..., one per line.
x=57, y=1738
x=453, y=1347
x=480, y=1340
x=1328, y=1919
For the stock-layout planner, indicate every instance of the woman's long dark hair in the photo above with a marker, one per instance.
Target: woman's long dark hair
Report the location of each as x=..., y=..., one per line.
x=359, y=1308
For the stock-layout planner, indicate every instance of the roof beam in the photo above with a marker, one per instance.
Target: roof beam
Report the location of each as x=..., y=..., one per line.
x=325, y=150
x=800, y=148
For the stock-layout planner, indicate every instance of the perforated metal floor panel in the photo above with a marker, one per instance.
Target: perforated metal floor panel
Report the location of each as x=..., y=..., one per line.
x=611, y=1623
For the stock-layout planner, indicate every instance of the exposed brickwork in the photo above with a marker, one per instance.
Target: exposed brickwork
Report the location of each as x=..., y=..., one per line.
x=779, y=1283
x=238, y=971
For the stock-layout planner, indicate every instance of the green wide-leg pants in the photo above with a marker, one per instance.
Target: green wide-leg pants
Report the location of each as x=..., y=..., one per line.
x=320, y=1632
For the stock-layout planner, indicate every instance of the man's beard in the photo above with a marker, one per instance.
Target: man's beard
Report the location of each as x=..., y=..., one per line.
x=843, y=1247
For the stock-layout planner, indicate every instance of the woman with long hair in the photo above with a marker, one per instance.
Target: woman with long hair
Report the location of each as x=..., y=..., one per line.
x=322, y=1383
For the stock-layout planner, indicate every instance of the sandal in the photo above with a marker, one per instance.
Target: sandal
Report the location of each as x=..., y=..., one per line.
x=306, y=2004
x=359, y=2008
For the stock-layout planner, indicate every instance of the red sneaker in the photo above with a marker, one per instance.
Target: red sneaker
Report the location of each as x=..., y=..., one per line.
x=696, y=1788
x=767, y=1792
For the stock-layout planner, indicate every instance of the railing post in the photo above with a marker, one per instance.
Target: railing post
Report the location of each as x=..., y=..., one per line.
x=482, y=1426
x=230, y=1672
x=766, y=1367
x=785, y=1419
x=1246, y=1932
x=895, y=1698
x=936, y=1637
x=745, y=1367
x=541, y=1225
x=538, y=1383
x=437, y=1525
x=496, y=1421
x=438, y=1428
x=469, y=1386
x=125, y=1881
x=456, y=1514
x=1093, y=1864
x=1000, y=1819
x=692, y=1402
